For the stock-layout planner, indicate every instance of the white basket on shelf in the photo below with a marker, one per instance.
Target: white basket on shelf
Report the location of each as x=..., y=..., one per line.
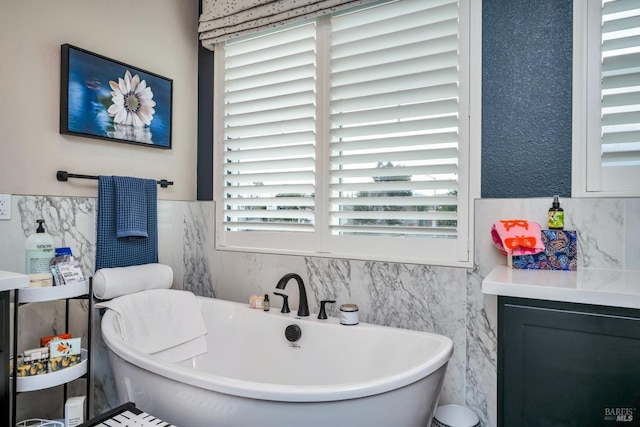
x=52, y=379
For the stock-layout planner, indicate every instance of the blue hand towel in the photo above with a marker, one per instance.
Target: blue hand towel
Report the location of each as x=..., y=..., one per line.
x=131, y=206
x=112, y=251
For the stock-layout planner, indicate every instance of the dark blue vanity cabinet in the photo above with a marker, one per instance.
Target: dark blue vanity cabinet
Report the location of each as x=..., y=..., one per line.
x=567, y=364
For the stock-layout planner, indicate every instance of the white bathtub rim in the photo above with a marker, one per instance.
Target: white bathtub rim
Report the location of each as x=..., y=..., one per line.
x=279, y=392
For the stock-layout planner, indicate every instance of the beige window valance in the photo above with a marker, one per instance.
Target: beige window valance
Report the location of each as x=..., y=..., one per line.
x=225, y=19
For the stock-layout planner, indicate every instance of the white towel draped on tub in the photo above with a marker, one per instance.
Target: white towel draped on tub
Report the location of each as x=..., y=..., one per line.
x=157, y=321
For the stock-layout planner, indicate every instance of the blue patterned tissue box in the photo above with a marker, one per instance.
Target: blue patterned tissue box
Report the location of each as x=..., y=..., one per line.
x=560, y=253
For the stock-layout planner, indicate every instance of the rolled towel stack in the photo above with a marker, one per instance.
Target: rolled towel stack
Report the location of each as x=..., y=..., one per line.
x=110, y=283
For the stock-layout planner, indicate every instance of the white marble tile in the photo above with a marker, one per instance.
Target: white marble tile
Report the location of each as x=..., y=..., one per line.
x=198, y=248
x=416, y=297
x=238, y=275
x=632, y=234
x=481, y=352
x=331, y=279
x=69, y=220
x=171, y=238
x=599, y=223
x=13, y=240
x=600, y=226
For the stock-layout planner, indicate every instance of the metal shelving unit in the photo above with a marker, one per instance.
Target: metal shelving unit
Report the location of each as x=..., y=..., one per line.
x=63, y=376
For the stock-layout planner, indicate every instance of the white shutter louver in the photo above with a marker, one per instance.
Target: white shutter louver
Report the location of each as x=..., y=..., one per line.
x=620, y=85
x=394, y=120
x=270, y=132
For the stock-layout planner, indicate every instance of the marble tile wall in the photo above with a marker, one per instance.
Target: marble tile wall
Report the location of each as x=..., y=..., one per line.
x=184, y=230
x=444, y=300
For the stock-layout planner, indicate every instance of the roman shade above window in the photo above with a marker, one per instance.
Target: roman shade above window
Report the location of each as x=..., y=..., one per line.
x=225, y=19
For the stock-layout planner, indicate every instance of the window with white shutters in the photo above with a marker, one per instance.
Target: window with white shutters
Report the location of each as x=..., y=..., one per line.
x=348, y=136
x=607, y=97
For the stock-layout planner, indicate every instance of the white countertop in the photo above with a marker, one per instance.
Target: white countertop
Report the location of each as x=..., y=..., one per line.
x=615, y=288
x=9, y=280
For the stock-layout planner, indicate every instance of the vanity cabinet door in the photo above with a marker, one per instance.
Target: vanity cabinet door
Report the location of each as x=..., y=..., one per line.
x=562, y=364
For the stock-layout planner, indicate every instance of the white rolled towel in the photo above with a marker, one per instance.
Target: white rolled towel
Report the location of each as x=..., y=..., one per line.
x=110, y=283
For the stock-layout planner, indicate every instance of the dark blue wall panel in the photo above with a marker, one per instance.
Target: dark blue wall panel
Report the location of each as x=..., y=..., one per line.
x=526, y=98
x=205, y=124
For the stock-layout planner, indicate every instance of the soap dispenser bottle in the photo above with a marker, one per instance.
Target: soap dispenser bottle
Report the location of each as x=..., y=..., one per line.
x=556, y=215
x=39, y=251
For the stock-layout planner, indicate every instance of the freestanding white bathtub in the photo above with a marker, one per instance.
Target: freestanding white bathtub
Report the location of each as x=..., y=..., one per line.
x=335, y=375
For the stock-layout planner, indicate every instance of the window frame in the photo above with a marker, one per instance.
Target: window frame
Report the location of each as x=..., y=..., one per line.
x=586, y=175
x=469, y=159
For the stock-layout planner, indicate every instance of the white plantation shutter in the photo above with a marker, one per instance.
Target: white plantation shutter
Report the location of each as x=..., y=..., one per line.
x=269, y=132
x=614, y=120
x=394, y=120
x=621, y=82
x=348, y=136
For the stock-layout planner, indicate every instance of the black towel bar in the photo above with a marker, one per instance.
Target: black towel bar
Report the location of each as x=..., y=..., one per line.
x=64, y=176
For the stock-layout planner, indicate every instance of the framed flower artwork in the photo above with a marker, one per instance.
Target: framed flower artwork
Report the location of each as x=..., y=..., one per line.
x=107, y=99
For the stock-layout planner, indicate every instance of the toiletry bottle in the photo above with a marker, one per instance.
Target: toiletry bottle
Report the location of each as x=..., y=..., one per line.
x=39, y=251
x=556, y=215
x=349, y=314
x=265, y=302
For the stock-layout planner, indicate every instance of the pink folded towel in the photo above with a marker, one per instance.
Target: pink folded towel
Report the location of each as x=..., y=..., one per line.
x=517, y=237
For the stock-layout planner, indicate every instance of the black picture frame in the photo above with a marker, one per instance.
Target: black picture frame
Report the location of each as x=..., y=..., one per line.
x=107, y=99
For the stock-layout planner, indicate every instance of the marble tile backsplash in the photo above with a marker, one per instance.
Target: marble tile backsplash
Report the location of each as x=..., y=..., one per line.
x=185, y=243
x=443, y=300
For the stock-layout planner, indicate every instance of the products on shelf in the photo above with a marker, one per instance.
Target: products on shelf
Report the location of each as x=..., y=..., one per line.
x=61, y=362
x=65, y=269
x=58, y=352
x=74, y=411
x=39, y=250
x=256, y=301
x=556, y=215
x=45, y=340
x=40, y=280
x=34, y=361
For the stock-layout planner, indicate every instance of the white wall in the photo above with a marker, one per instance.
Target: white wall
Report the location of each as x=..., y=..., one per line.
x=155, y=35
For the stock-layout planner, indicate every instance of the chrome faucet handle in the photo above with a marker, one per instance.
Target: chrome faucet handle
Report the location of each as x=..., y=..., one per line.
x=323, y=313
x=285, y=302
